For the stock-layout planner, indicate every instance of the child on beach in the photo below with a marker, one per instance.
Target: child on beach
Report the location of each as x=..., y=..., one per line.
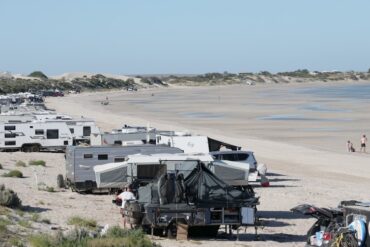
x=350, y=147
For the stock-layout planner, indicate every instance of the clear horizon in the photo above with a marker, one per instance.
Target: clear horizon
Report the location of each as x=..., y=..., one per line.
x=189, y=37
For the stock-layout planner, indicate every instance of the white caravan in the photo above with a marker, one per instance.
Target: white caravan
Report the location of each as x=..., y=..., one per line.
x=80, y=128
x=34, y=136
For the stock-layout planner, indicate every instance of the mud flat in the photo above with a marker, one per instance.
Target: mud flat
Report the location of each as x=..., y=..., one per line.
x=298, y=130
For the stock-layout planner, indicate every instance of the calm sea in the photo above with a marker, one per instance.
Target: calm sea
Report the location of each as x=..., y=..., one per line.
x=360, y=91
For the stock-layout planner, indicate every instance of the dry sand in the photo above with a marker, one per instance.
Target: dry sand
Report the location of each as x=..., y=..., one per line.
x=305, y=155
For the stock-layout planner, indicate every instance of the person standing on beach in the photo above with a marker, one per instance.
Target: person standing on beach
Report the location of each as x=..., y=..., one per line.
x=125, y=196
x=363, y=143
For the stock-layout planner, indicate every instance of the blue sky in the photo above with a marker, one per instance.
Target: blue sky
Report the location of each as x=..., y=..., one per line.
x=189, y=36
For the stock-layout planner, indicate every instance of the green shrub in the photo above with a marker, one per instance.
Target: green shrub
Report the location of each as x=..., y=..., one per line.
x=14, y=174
x=35, y=217
x=2, y=229
x=41, y=240
x=46, y=221
x=38, y=74
x=118, y=232
x=19, y=212
x=37, y=163
x=80, y=238
x=3, y=224
x=9, y=198
x=119, y=242
x=20, y=164
x=16, y=242
x=81, y=222
x=4, y=210
x=50, y=189
x=24, y=223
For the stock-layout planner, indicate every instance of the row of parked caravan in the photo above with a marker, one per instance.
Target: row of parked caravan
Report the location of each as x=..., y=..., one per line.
x=31, y=129
x=166, y=167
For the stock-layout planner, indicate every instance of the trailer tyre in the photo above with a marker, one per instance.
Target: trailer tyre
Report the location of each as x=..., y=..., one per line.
x=35, y=148
x=60, y=181
x=30, y=148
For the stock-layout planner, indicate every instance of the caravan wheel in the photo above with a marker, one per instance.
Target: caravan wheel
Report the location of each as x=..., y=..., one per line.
x=35, y=148
x=30, y=148
x=60, y=181
x=25, y=149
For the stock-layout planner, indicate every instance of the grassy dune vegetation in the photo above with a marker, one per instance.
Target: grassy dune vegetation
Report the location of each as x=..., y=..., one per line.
x=37, y=80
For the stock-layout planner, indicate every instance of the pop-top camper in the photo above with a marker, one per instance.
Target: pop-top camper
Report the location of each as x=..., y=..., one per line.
x=143, y=168
x=80, y=161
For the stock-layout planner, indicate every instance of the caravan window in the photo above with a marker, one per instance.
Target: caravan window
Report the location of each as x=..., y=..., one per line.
x=10, y=143
x=118, y=143
x=119, y=159
x=86, y=130
x=88, y=156
x=72, y=130
x=39, y=132
x=9, y=127
x=10, y=135
x=102, y=156
x=52, y=134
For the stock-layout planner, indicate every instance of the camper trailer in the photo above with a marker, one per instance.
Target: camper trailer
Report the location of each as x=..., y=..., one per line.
x=80, y=161
x=143, y=169
x=180, y=190
x=127, y=136
x=197, y=204
x=34, y=136
x=121, y=139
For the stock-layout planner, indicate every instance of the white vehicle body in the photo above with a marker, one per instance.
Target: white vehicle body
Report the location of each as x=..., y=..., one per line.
x=34, y=136
x=241, y=157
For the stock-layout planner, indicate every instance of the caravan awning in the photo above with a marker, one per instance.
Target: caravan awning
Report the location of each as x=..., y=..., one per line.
x=215, y=145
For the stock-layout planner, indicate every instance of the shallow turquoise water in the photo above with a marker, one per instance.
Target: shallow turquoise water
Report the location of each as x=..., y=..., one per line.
x=354, y=92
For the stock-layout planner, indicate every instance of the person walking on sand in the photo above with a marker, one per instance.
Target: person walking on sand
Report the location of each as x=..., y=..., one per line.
x=363, y=143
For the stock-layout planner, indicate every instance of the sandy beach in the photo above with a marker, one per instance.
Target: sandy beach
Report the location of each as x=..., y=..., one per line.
x=300, y=136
